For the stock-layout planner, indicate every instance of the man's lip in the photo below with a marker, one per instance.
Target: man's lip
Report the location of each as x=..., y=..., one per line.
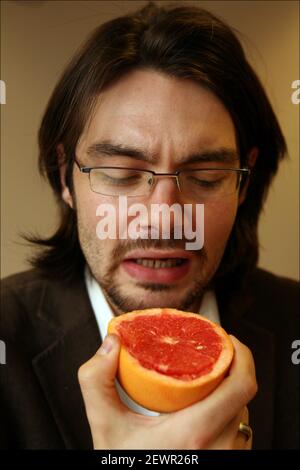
x=155, y=275
x=158, y=254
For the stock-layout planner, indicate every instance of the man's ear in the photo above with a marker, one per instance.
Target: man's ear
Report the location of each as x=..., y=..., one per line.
x=251, y=160
x=65, y=192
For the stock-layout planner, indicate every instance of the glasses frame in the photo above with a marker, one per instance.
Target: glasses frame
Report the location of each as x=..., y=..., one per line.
x=243, y=172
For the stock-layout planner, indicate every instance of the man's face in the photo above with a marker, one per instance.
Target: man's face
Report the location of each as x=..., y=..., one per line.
x=171, y=119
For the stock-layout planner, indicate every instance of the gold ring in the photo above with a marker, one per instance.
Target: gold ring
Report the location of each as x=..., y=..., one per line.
x=245, y=429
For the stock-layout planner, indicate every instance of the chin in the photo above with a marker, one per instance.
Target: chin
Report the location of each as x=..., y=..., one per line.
x=158, y=296
x=130, y=296
x=159, y=303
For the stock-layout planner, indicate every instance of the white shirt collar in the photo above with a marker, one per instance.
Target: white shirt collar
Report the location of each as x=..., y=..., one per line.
x=103, y=314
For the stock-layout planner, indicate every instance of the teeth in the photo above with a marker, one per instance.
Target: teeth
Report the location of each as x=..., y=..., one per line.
x=158, y=263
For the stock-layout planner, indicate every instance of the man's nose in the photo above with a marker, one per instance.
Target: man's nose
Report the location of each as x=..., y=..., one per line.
x=165, y=191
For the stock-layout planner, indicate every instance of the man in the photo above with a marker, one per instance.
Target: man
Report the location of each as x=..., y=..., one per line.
x=160, y=107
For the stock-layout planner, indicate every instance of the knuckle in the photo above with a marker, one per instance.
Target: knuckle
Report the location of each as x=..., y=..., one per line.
x=254, y=388
x=248, y=356
x=86, y=374
x=248, y=381
x=249, y=388
x=245, y=414
x=200, y=441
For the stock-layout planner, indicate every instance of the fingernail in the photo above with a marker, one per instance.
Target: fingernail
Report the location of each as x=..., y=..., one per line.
x=106, y=346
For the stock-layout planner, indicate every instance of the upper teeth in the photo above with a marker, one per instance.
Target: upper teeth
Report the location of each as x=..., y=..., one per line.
x=158, y=263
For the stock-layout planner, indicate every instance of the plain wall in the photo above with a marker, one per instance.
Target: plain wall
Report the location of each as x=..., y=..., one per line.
x=37, y=40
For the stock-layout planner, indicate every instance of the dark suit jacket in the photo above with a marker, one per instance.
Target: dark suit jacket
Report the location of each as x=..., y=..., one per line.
x=50, y=330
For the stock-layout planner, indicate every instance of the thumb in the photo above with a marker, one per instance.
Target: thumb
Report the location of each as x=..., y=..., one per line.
x=97, y=381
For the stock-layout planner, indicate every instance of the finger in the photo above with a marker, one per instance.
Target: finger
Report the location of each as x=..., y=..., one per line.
x=230, y=438
x=242, y=442
x=214, y=412
x=97, y=382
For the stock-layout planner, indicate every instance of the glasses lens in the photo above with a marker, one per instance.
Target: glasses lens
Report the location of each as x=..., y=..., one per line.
x=120, y=181
x=209, y=184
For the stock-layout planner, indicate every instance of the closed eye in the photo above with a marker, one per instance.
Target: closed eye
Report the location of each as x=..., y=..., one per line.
x=205, y=183
x=119, y=177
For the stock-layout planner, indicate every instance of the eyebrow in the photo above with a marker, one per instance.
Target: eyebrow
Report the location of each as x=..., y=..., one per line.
x=107, y=148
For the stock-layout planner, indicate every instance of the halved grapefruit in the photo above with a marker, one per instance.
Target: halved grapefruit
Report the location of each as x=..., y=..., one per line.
x=170, y=359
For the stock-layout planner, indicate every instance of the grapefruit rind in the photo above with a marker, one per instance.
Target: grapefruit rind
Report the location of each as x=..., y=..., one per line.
x=162, y=393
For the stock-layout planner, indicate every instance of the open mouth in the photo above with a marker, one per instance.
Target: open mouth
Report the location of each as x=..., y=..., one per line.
x=157, y=267
x=160, y=263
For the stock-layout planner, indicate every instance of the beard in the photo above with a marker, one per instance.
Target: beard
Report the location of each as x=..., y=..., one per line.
x=127, y=303
x=105, y=267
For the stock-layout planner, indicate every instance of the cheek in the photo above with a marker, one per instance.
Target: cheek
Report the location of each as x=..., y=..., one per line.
x=86, y=201
x=87, y=204
x=86, y=211
x=91, y=223
x=218, y=221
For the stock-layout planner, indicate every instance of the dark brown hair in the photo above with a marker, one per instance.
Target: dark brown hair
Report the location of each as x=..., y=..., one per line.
x=182, y=41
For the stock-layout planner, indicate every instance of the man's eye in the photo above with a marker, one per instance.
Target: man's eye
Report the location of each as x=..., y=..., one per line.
x=120, y=178
x=204, y=183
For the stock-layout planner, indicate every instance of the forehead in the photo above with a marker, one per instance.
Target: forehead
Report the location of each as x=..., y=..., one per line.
x=158, y=112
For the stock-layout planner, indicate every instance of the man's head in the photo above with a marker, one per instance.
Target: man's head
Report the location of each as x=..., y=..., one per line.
x=169, y=120
x=171, y=83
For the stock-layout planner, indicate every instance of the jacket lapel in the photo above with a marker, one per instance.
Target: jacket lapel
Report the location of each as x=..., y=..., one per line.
x=76, y=340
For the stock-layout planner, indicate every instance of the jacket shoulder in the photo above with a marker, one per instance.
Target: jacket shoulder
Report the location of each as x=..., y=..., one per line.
x=20, y=290
x=276, y=300
x=276, y=287
x=34, y=307
x=19, y=280
x=270, y=277
x=20, y=298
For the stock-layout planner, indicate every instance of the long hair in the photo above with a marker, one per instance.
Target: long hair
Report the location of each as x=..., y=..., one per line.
x=180, y=41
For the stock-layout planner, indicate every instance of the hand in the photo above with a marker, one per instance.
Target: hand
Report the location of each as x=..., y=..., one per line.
x=211, y=423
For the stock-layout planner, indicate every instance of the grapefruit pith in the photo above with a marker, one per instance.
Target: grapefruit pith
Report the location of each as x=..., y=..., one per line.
x=170, y=359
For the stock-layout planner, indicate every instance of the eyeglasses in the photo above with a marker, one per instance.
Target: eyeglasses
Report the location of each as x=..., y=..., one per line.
x=199, y=184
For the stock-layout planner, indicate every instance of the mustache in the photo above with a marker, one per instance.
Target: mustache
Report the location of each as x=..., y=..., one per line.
x=124, y=247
